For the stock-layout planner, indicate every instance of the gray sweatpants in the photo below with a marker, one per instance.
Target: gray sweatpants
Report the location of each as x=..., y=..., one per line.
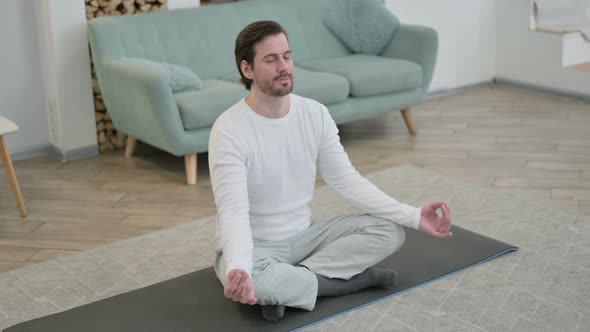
x=340, y=247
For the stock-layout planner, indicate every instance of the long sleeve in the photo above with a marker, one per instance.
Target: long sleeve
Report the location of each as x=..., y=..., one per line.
x=227, y=164
x=338, y=172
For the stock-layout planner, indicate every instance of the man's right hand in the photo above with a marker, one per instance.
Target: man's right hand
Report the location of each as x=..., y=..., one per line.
x=239, y=287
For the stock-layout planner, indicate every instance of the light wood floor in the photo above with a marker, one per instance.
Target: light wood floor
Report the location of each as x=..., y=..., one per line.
x=516, y=140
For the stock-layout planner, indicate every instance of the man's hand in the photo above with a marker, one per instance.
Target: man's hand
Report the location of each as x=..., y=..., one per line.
x=433, y=224
x=239, y=287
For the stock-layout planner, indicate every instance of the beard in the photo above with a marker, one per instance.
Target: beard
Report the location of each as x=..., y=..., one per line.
x=269, y=87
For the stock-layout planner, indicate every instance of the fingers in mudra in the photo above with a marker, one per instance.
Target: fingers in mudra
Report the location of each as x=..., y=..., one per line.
x=239, y=288
x=444, y=221
x=437, y=223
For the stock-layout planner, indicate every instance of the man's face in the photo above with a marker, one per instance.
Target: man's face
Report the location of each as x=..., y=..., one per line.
x=272, y=72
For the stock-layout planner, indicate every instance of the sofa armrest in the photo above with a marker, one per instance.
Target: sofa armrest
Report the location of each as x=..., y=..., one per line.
x=418, y=44
x=141, y=103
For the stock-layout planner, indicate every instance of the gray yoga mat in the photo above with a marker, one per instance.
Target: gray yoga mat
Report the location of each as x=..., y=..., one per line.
x=195, y=302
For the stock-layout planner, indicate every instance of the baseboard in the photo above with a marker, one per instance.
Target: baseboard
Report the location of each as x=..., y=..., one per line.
x=75, y=154
x=453, y=91
x=542, y=89
x=33, y=152
x=513, y=83
x=50, y=149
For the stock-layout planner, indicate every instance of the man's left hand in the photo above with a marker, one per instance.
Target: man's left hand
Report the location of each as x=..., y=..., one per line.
x=433, y=224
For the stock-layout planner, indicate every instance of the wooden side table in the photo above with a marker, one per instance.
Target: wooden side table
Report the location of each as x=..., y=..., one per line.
x=7, y=127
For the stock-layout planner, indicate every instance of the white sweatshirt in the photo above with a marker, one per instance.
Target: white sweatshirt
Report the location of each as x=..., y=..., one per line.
x=263, y=174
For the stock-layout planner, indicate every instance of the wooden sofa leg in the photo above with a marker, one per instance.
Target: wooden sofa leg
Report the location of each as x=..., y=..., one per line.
x=130, y=146
x=7, y=163
x=408, y=120
x=190, y=163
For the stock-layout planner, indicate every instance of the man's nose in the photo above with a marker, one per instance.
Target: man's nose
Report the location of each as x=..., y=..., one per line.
x=282, y=65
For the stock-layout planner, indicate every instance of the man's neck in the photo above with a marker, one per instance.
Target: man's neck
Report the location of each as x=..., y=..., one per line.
x=268, y=106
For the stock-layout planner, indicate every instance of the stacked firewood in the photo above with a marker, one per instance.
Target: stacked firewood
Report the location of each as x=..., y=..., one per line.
x=108, y=137
x=96, y=8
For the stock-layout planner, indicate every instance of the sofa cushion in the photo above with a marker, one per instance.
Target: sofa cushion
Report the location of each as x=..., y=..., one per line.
x=200, y=109
x=371, y=75
x=365, y=26
x=323, y=87
x=181, y=78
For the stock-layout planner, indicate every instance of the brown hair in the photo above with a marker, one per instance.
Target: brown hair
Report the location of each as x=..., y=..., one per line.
x=248, y=38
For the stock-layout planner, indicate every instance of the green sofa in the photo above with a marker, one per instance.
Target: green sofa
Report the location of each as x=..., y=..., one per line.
x=142, y=103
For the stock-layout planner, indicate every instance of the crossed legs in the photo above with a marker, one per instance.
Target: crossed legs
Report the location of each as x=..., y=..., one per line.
x=332, y=257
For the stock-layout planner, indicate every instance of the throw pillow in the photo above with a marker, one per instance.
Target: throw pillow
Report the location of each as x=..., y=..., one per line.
x=365, y=26
x=181, y=78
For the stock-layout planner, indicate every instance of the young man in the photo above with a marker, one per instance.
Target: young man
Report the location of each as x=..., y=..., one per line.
x=263, y=154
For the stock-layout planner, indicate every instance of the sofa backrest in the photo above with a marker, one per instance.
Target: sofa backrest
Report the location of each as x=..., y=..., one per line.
x=203, y=38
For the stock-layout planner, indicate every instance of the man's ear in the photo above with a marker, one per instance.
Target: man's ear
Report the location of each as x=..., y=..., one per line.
x=246, y=69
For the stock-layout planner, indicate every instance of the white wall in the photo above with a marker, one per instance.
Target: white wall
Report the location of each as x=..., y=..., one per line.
x=532, y=58
x=66, y=68
x=21, y=92
x=467, y=37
